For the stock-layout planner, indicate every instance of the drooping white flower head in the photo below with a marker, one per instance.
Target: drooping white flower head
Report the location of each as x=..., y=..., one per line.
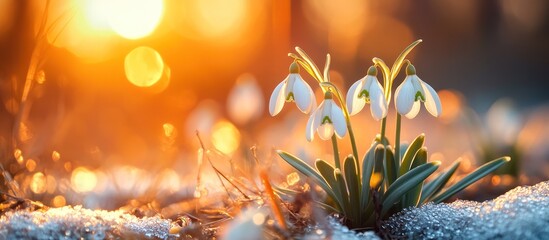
x=292, y=89
x=326, y=119
x=367, y=90
x=413, y=90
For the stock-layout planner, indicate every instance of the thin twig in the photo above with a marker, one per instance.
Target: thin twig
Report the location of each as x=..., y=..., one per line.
x=219, y=173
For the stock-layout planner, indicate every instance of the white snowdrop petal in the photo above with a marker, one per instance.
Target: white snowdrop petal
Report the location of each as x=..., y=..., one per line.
x=417, y=83
x=310, y=131
x=355, y=104
x=302, y=94
x=378, y=105
x=313, y=100
x=405, y=96
x=432, y=101
x=325, y=131
x=414, y=111
x=277, y=99
x=338, y=120
x=318, y=116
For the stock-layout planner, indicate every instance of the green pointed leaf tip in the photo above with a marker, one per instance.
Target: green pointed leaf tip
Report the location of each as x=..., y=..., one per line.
x=311, y=63
x=411, y=151
x=327, y=68
x=400, y=59
x=471, y=178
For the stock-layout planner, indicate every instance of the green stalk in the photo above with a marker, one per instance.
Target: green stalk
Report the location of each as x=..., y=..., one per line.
x=382, y=134
x=397, y=140
x=347, y=118
x=336, y=152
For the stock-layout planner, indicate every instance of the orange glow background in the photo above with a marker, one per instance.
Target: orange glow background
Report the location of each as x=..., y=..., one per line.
x=125, y=84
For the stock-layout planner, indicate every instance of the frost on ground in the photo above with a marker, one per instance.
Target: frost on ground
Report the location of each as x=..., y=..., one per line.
x=79, y=223
x=336, y=231
x=522, y=213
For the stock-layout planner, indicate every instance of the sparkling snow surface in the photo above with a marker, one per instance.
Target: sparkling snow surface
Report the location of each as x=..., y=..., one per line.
x=522, y=213
x=80, y=223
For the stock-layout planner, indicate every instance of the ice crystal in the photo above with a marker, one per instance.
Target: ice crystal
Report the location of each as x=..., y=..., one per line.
x=80, y=223
x=337, y=231
x=522, y=213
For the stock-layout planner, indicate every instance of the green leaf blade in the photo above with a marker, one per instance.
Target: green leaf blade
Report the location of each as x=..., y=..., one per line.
x=367, y=170
x=353, y=185
x=308, y=171
x=347, y=209
x=327, y=171
x=413, y=196
x=411, y=151
x=400, y=59
x=405, y=183
x=471, y=178
x=390, y=167
x=433, y=187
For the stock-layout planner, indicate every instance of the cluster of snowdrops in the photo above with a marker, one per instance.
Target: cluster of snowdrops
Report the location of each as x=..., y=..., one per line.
x=400, y=170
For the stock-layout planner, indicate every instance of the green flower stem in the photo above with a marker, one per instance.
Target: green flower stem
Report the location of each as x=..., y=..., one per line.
x=382, y=132
x=397, y=141
x=337, y=162
x=347, y=119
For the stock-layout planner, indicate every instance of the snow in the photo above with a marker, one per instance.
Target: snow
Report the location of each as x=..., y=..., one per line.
x=77, y=222
x=522, y=213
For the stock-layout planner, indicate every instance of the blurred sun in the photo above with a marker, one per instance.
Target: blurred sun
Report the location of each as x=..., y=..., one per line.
x=133, y=19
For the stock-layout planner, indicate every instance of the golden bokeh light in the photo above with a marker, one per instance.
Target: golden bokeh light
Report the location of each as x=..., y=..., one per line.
x=258, y=218
x=83, y=180
x=58, y=201
x=292, y=178
x=133, y=19
x=225, y=137
x=143, y=66
x=169, y=130
x=55, y=156
x=30, y=165
x=18, y=155
x=38, y=183
x=67, y=166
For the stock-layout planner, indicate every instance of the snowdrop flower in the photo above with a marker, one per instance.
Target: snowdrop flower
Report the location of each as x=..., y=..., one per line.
x=367, y=90
x=411, y=91
x=326, y=119
x=293, y=88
